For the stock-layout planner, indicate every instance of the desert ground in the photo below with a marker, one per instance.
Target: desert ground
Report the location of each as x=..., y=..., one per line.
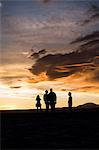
x=29, y=129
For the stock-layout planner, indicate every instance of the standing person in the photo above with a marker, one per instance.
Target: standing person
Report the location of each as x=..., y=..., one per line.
x=52, y=99
x=38, y=104
x=46, y=100
x=70, y=101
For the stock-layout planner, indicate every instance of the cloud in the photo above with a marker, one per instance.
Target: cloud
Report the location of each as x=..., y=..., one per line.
x=89, y=37
x=93, y=9
x=41, y=77
x=0, y=4
x=94, y=44
x=93, y=18
x=81, y=89
x=84, y=59
x=15, y=87
x=46, y=1
x=95, y=75
x=50, y=64
x=96, y=60
x=37, y=55
x=92, y=15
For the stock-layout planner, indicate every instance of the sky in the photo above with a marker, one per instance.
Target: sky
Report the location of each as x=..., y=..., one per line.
x=48, y=44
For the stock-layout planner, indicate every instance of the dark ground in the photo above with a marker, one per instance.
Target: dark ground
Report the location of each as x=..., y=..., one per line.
x=62, y=129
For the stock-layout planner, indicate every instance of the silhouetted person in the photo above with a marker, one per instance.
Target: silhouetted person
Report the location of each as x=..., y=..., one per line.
x=38, y=104
x=70, y=101
x=46, y=100
x=52, y=99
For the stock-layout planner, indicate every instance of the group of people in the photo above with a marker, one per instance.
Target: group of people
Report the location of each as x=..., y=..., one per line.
x=50, y=100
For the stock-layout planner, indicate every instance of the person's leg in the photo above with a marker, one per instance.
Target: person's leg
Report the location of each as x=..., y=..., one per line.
x=54, y=106
x=37, y=108
x=40, y=108
x=51, y=107
x=68, y=106
x=71, y=108
x=46, y=107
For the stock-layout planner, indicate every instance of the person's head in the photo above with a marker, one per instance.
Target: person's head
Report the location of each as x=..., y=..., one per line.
x=69, y=93
x=46, y=91
x=51, y=90
x=38, y=96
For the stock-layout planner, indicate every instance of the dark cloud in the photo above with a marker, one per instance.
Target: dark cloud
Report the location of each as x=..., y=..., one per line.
x=43, y=51
x=93, y=9
x=94, y=44
x=93, y=18
x=92, y=14
x=89, y=37
x=36, y=55
x=50, y=63
x=85, y=59
x=56, y=74
x=85, y=22
x=15, y=87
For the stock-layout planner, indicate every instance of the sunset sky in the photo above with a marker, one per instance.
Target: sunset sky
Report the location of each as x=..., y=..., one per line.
x=48, y=44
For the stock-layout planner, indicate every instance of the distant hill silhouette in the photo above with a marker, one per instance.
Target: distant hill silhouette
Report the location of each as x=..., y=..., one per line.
x=88, y=106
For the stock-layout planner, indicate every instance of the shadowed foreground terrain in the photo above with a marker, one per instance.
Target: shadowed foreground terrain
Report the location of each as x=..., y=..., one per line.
x=62, y=129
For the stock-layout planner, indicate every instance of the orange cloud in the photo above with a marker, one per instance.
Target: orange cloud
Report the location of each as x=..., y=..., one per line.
x=41, y=77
